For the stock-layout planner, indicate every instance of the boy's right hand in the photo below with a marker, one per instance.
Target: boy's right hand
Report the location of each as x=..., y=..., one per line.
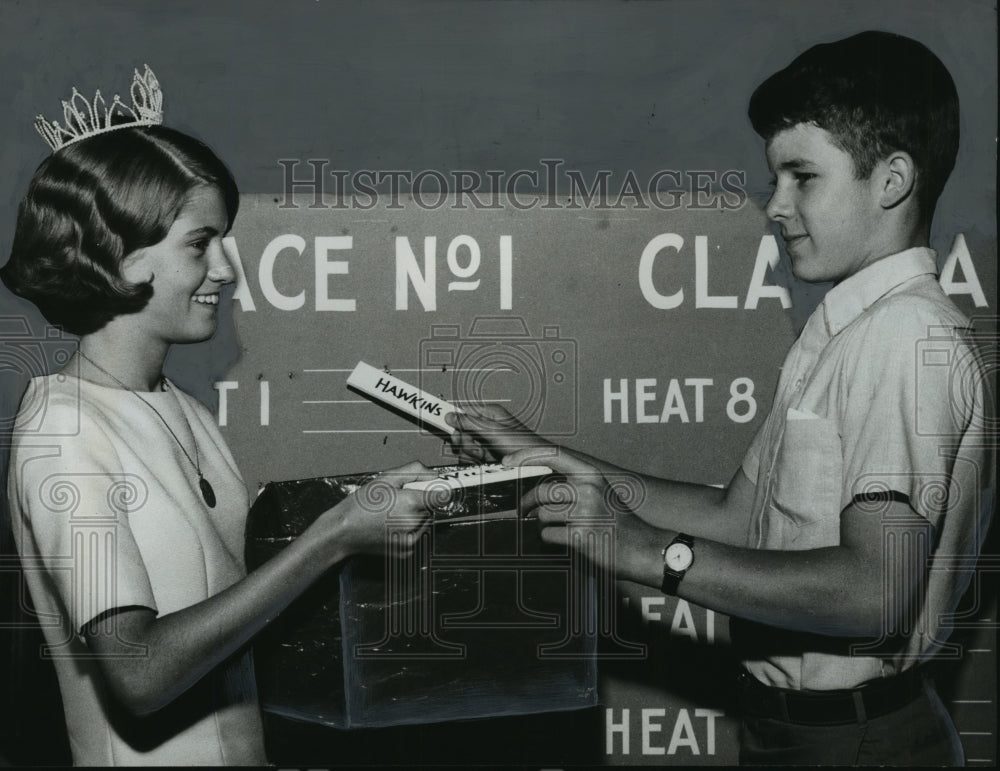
x=363, y=521
x=487, y=432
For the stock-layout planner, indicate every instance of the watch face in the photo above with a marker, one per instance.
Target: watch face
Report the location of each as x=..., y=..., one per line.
x=679, y=556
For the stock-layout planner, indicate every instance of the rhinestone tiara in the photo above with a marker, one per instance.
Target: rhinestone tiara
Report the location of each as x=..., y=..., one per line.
x=82, y=118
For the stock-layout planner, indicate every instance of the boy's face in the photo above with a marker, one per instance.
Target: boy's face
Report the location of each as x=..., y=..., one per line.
x=829, y=219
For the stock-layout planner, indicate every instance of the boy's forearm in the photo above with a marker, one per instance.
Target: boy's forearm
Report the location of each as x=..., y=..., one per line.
x=709, y=512
x=718, y=513
x=820, y=591
x=698, y=510
x=850, y=590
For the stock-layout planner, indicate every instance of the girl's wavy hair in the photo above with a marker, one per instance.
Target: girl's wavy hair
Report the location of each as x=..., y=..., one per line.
x=92, y=203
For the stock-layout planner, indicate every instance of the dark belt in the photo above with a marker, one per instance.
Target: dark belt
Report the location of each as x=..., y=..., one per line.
x=841, y=707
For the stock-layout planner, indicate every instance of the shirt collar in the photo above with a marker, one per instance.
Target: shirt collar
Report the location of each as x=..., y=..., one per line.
x=857, y=293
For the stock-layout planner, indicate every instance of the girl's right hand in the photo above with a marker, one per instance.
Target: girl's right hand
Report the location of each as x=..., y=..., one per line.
x=380, y=516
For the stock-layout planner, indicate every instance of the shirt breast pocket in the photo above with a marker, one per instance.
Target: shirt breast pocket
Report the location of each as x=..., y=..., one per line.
x=807, y=480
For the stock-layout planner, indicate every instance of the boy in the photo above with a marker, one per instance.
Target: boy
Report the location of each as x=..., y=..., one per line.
x=826, y=546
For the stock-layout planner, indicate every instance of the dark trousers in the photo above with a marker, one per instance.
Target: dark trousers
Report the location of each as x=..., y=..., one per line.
x=918, y=734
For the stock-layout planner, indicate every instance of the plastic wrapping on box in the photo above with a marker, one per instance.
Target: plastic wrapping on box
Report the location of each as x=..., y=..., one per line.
x=484, y=619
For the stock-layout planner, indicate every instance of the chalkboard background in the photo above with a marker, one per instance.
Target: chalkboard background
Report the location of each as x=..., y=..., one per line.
x=479, y=87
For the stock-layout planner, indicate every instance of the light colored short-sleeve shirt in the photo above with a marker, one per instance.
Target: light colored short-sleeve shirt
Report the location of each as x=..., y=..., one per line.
x=882, y=393
x=107, y=513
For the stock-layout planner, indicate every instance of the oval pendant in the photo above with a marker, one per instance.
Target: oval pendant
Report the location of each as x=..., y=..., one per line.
x=207, y=492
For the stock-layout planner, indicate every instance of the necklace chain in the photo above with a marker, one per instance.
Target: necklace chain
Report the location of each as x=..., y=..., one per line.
x=206, y=488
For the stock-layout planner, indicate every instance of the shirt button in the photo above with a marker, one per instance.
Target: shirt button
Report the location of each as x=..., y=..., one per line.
x=798, y=384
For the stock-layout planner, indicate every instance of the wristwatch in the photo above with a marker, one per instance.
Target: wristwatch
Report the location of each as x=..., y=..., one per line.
x=678, y=556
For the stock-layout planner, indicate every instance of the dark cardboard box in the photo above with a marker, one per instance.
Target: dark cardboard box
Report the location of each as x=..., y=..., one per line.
x=484, y=620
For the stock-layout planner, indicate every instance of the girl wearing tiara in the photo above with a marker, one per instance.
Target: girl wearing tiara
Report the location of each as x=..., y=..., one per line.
x=127, y=507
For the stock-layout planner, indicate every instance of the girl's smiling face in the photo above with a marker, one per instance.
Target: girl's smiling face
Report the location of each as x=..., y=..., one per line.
x=187, y=269
x=829, y=218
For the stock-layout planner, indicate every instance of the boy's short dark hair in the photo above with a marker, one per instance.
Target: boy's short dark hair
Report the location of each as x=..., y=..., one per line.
x=875, y=92
x=92, y=203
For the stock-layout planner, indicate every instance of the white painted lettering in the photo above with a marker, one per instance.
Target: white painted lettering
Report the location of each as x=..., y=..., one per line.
x=242, y=292
x=408, y=273
x=326, y=268
x=682, y=624
x=649, y=728
x=767, y=259
x=643, y=395
x=611, y=728
x=506, y=273
x=266, y=272
x=647, y=603
x=673, y=404
x=265, y=403
x=620, y=396
x=699, y=384
x=463, y=271
x=702, y=299
x=223, y=387
x=646, y=262
x=959, y=256
x=710, y=715
x=683, y=735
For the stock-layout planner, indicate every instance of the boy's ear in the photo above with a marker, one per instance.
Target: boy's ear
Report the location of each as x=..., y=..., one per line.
x=899, y=175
